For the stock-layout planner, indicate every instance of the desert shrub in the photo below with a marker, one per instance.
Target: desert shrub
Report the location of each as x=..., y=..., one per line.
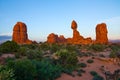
x=90, y=61
x=67, y=59
x=80, y=71
x=22, y=51
x=9, y=46
x=23, y=69
x=17, y=55
x=118, y=78
x=113, y=54
x=1, y=53
x=34, y=54
x=44, y=46
x=55, y=47
x=115, y=47
x=30, y=46
x=97, y=47
x=6, y=73
x=82, y=65
x=79, y=74
x=93, y=73
x=98, y=77
x=47, y=70
x=71, y=48
x=8, y=59
x=101, y=55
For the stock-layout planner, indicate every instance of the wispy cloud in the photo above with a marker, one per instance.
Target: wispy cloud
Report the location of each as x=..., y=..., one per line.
x=113, y=25
x=5, y=34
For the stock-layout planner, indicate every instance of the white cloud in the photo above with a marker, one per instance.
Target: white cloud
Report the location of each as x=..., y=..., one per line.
x=114, y=27
x=5, y=34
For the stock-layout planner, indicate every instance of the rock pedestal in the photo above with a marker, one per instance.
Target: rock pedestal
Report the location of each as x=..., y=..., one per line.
x=101, y=34
x=77, y=38
x=20, y=34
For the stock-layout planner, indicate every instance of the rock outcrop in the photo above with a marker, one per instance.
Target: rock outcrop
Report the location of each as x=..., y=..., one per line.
x=20, y=34
x=77, y=38
x=101, y=34
x=53, y=38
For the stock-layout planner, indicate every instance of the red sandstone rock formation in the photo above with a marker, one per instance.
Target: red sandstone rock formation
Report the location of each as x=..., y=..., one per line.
x=101, y=34
x=53, y=38
x=77, y=38
x=20, y=34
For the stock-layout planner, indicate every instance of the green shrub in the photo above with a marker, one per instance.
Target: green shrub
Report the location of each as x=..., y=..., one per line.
x=1, y=53
x=24, y=69
x=115, y=47
x=17, y=55
x=93, y=73
x=46, y=70
x=80, y=71
x=97, y=77
x=90, y=61
x=8, y=59
x=22, y=51
x=44, y=46
x=30, y=46
x=34, y=54
x=113, y=54
x=6, y=73
x=97, y=47
x=9, y=46
x=67, y=59
x=54, y=48
x=82, y=65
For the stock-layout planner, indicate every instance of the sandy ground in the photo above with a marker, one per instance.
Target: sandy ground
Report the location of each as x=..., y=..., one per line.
x=3, y=56
x=91, y=67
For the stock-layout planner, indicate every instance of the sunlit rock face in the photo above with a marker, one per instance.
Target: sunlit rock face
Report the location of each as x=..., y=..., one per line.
x=53, y=38
x=77, y=38
x=20, y=34
x=101, y=36
x=101, y=33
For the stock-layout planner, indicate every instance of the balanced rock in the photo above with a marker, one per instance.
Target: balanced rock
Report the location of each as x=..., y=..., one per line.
x=20, y=34
x=101, y=34
x=77, y=38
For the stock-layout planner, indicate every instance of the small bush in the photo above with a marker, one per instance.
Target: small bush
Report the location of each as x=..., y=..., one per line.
x=67, y=59
x=93, y=73
x=23, y=69
x=46, y=70
x=90, y=61
x=1, y=53
x=22, y=51
x=97, y=47
x=97, y=77
x=44, y=46
x=17, y=55
x=113, y=54
x=9, y=46
x=6, y=73
x=82, y=65
x=34, y=54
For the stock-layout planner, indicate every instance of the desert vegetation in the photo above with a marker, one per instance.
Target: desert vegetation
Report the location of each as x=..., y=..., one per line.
x=45, y=61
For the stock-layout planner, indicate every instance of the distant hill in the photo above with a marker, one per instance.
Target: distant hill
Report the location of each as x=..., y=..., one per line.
x=5, y=38
x=115, y=41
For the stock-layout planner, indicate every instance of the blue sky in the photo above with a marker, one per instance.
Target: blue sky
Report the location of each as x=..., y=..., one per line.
x=43, y=17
